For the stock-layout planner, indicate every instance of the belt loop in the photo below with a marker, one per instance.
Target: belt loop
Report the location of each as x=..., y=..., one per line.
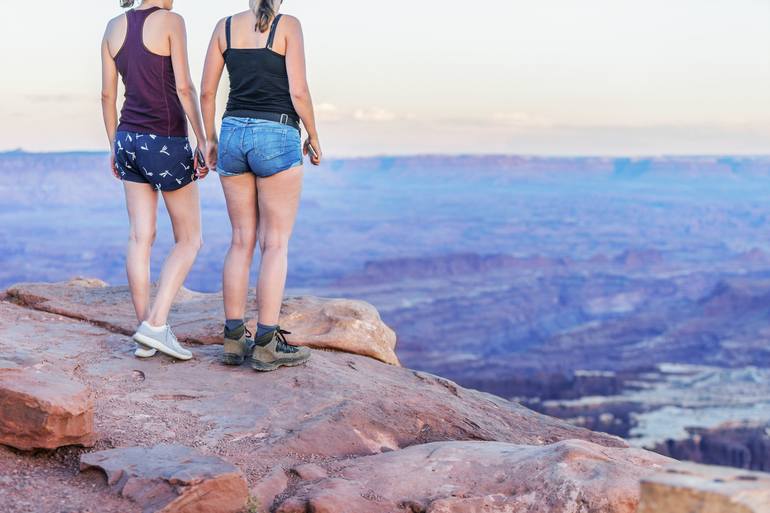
x=284, y=119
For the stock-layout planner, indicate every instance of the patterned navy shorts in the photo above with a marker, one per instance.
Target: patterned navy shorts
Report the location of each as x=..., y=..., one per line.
x=166, y=163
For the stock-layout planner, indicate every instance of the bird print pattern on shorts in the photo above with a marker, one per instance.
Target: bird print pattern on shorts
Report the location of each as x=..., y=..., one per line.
x=155, y=160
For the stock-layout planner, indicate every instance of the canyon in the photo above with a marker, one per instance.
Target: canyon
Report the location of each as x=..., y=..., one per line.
x=624, y=295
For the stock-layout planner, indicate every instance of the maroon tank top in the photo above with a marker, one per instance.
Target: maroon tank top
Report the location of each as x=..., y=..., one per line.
x=151, y=105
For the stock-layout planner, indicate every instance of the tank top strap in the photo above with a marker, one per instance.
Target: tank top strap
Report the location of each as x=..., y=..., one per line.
x=271, y=37
x=229, y=31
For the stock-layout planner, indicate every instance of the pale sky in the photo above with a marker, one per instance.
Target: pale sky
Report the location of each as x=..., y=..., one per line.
x=548, y=77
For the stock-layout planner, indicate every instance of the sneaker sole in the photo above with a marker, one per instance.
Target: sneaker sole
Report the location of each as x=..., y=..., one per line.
x=143, y=351
x=151, y=342
x=271, y=366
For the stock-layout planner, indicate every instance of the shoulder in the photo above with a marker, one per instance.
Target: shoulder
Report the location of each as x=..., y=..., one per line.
x=241, y=15
x=172, y=21
x=117, y=21
x=291, y=22
x=115, y=28
x=172, y=18
x=219, y=28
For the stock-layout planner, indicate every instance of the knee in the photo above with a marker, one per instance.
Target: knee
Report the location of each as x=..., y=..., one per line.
x=244, y=240
x=142, y=238
x=192, y=244
x=274, y=244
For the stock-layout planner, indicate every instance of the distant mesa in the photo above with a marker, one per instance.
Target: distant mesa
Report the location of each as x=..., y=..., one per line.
x=637, y=258
x=441, y=266
x=741, y=445
x=458, y=264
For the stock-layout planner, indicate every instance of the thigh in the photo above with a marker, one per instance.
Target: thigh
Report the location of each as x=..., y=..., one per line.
x=241, y=197
x=142, y=206
x=184, y=209
x=279, y=197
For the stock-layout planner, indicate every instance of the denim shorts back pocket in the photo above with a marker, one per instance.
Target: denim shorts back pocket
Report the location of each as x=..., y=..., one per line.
x=270, y=142
x=226, y=139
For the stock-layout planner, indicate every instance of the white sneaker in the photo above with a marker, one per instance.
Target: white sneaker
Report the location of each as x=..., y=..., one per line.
x=162, y=339
x=142, y=351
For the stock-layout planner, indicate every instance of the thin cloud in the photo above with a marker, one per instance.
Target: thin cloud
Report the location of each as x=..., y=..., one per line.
x=380, y=115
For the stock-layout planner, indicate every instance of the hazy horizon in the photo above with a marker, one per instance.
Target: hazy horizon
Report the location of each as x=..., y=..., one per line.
x=602, y=78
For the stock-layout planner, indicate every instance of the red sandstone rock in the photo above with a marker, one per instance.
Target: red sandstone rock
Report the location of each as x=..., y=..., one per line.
x=465, y=477
x=330, y=414
x=337, y=324
x=309, y=472
x=43, y=409
x=171, y=479
x=268, y=488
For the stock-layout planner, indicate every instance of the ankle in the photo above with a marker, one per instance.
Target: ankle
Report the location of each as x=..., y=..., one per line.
x=233, y=324
x=156, y=322
x=264, y=329
x=155, y=327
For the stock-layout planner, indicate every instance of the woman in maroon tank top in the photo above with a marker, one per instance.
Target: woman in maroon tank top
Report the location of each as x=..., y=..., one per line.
x=147, y=48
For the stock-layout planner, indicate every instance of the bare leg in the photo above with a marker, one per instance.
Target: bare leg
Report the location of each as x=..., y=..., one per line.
x=183, y=206
x=142, y=204
x=241, y=196
x=279, y=197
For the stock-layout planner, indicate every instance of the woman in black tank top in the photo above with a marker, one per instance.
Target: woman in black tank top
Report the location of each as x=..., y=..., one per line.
x=259, y=161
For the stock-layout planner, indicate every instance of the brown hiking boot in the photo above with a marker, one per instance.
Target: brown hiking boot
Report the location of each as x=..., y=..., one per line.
x=272, y=351
x=238, y=344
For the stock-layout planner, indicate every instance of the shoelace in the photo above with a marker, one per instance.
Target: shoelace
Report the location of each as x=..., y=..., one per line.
x=283, y=345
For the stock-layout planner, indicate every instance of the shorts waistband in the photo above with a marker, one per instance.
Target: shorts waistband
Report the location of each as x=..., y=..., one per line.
x=284, y=119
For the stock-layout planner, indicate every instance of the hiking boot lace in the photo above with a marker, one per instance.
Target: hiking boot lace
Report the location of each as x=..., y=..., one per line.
x=283, y=345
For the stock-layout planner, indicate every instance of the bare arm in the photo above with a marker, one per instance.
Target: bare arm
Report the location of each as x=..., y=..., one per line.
x=212, y=74
x=109, y=95
x=185, y=88
x=300, y=91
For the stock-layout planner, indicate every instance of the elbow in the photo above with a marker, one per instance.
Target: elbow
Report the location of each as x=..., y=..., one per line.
x=185, y=90
x=208, y=96
x=300, y=94
x=108, y=98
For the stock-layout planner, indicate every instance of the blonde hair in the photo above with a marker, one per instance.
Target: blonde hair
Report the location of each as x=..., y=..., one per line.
x=264, y=10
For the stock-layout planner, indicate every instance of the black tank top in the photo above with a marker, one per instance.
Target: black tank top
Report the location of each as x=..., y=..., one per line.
x=258, y=78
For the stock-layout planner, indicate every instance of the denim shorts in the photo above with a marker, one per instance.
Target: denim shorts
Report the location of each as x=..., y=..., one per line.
x=166, y=163
x=258, y=146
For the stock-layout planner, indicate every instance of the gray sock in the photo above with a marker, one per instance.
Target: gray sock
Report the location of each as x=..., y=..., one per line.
x=233, y=324
x=262, y=329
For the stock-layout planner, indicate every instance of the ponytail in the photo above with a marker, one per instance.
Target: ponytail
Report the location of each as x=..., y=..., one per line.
x=264, y=11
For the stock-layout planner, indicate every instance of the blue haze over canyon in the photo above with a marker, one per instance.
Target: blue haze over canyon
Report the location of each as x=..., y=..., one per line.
x=626, y=295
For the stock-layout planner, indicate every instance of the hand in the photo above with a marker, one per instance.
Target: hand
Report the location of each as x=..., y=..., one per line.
x=199, y=163
x=114, y=167
x=315, y=156
x=212, y=147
